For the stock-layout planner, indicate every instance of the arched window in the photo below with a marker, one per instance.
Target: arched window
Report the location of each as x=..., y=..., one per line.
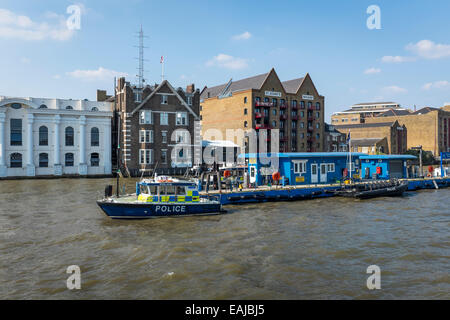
x=95, y=137
x=69, y=108
x=43, y=136
x=42, y=106
x=95, y=160
x=16, y=160
x=245, y=99
x=94, y=109
x=69, y=160
x=302, y=104
x=43, y=160
x=69, y=136
x=317, y=105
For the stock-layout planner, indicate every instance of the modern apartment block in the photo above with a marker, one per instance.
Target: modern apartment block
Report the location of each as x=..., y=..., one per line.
x=151, y=122
x=295, y=107
x=383, y=137
x=427, y=127
x=358, y=113
x=54, y=137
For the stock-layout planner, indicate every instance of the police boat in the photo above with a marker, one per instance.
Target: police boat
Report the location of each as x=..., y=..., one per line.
x=159, y=197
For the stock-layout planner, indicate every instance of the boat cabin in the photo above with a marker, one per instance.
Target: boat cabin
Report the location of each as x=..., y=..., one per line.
x=385, y=166
x=166, y=190
x=299, y=168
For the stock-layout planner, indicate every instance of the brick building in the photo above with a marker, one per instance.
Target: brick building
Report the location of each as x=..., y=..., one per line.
x=383, y=137
x=263, y=102
x=335, y=141
x=358, y=113
x=428, y=127
x=150, y=122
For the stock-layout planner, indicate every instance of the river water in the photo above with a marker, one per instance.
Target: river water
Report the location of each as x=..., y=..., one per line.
x=312, y=249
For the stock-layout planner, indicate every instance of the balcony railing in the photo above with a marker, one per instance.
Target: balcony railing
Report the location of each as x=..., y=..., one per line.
x=261, y=126
x=310, y=129
x=258, y=115
x=283, y=106
x=263, y=104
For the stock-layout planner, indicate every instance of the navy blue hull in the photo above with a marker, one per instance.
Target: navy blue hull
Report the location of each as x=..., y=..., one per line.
x=156, y=210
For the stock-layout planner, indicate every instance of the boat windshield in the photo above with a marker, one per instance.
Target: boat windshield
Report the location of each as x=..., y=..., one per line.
x=172, y=190
x=150, y=190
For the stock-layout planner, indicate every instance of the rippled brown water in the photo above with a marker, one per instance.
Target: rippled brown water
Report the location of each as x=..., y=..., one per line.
x=316, y=249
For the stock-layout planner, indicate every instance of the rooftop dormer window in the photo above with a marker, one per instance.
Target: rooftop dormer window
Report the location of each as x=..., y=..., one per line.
x=94, y=109
x=69, y=108
x=42, y=106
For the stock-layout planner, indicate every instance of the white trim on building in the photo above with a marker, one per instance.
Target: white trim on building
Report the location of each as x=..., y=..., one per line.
x=56, y=137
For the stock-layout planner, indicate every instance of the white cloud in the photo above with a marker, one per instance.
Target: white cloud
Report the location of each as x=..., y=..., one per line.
x=397, y=59
x=436, y=85
x=95, y=75
x=372, y=71
x=14, y=26
x=229, y=62
x=429, y=50
x=394, y=90
x=243, y=36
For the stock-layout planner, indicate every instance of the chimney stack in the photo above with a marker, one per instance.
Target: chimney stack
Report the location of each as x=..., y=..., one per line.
x=190, y=88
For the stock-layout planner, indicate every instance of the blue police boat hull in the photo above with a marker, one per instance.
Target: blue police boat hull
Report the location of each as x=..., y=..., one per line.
x=117, y=210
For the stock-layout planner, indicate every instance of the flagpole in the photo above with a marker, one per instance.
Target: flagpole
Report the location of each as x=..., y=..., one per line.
x=162, y=68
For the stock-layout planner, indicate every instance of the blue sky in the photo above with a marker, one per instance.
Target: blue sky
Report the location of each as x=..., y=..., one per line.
x=209, y=42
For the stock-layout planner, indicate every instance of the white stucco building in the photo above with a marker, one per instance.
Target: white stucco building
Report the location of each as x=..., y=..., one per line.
x=43, y=137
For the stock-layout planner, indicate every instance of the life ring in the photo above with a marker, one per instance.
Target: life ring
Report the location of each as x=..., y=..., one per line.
x=276, y=176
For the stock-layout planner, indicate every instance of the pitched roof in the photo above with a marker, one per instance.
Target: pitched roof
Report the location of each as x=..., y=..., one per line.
x=425, y=110
x=393, y=112
x=254, y=82
x=368, y=142
x=292, y=86
x=364, y=125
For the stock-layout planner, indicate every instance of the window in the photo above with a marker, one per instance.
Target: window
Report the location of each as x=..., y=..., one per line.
x=69, y=136
x=274, y=112
x=95, y=137
x=43, y=160
x=16, y=132
x=302, y=124
x=16, y=160
x=42, y=106
x=282, y=102
x=245, y=124
x=69, y=159
x=274, y=101
x=95, y=160
x=299, y=166
x=294, y=124
x=182, y=119
x=163, y=156
x=43, y=136
x=317, y=115
x=189, y=100
x=181, y=136
x=164, y=99
x=309, y=105
x=302, y=104
x=16, y=105
x=69, y=108
x=164, y=136
x=317, y=125
x=302, y=113
x=146, y=136
x=164, y=118
x=145, y=117
x=302, y=135
x=294, y=103
x=137, y=96
x=245, y=111
x=94, y=109
x=330, y=167
x=245, y=99
x=258, y=99
x=317, y=105
x=145, y=156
